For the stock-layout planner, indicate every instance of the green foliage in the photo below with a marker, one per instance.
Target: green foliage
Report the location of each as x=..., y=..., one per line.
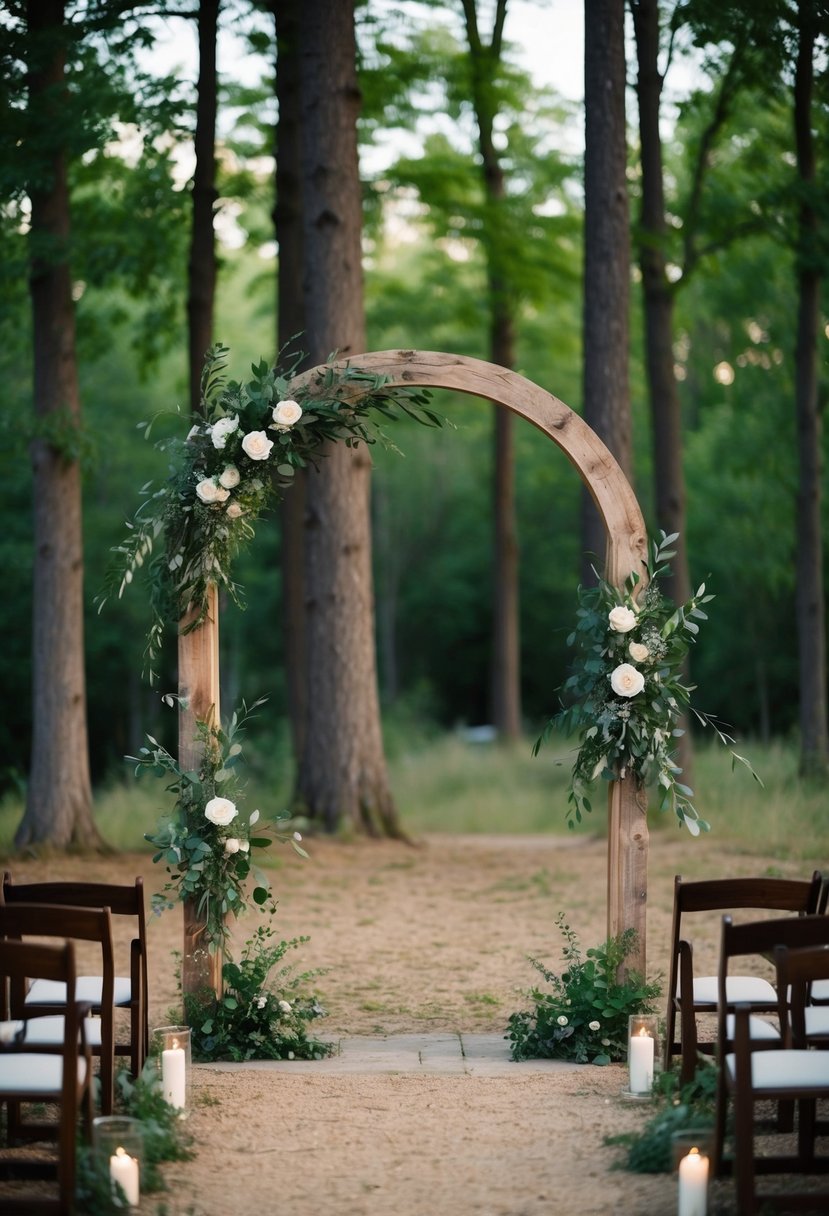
x=585, y=1016
x=204, y=845
x=260, y=1016
x=680, y=1108
x=227, y=470
x=627, y=692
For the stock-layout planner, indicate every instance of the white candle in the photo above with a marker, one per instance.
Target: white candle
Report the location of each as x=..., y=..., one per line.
x=173, y=1075
x=640, y=1062
x=693, y=1184
x=123, y=1169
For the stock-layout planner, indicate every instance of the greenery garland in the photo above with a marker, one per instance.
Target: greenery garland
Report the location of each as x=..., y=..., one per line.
x=240, y=454
x=206, y=843
x=627, y=691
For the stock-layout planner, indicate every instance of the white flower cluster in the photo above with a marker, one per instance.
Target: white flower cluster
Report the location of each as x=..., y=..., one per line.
x=627, y=680
x=222, y=812
x=216, y=490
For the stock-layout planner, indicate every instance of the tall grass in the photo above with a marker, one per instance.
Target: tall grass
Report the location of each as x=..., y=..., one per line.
x=445, y=784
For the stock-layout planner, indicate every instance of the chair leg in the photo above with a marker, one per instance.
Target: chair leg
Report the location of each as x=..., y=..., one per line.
x=744, y=1151
x=688, y=1030
x=806, y=1128
x=720, y=1116
x=670, y=1032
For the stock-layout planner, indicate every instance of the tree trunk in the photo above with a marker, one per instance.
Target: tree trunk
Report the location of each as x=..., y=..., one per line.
x=59, y=799
x=606, y=253
x=658, y=302
x=287, y=217
x=201, y=269
x=811, y=612
x=506, y=673
x=343, y=778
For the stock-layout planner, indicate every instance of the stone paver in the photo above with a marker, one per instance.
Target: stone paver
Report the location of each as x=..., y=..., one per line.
x=478, y=1055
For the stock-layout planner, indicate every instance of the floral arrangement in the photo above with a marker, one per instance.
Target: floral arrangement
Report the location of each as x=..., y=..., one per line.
x=584, y=1017
x=207, y=843
x=260, y=1015
x=240, y=453
x=627, y=692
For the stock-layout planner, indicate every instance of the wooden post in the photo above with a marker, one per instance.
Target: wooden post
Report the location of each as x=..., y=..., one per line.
x=627, y=865
x=198, y=686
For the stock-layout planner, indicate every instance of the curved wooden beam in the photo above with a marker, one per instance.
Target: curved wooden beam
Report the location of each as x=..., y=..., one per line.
x=597, y=467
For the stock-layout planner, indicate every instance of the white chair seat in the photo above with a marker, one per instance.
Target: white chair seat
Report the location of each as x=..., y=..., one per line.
x=87, y=988
x=820, y=990
x=759, y=1029
x=748, y=989
x=817, y=1019
x=787, y=1069
x=28, y=1072
x=48, y=1031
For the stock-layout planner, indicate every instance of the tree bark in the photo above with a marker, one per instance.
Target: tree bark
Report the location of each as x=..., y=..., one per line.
x=59, y=798
x=287, y=217
x=201, y=268
x=343, y=779
x=658, y=302
x=811, y=607
x=506, y=673
x=606, y=253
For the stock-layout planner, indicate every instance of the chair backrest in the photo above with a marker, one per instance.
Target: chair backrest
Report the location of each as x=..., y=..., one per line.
x=762, y=938
x=797, y=969
x=24, y=921
x=795, y=895
x=122, y=899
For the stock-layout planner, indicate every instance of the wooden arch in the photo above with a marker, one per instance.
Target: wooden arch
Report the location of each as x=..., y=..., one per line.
x=626, y=551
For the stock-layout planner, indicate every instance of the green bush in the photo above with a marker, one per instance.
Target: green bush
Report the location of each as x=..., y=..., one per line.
x=585, y=1016
x=257, y=1018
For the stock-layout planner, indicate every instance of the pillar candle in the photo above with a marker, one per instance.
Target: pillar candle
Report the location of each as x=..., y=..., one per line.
x=693, y=1184
x=640, y=1062
x=123, y=1169
x=173, y=1075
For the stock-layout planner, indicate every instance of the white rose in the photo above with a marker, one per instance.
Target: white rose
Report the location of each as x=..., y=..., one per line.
x=209, y=492
x=594, y=1025
x=286, y=413
x=244, y=846
x=230, y=477
x=284, y=1006
x=234, y=510
x=256, y=445
x=261, y=1002
x=621, y=619
x=638, y=652
x=220, y=811
x=231, y=845
x=626, y=681
x=562, y=1021
x=220, y=430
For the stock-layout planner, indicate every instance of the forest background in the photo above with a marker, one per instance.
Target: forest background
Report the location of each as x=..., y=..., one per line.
x=733, y=196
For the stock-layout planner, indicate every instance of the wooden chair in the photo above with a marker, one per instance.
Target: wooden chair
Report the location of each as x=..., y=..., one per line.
x=797, y=896
x=55, y=1075
x=790, y=1073
x=131, y=991
x=37, y=1001
x=759, y=939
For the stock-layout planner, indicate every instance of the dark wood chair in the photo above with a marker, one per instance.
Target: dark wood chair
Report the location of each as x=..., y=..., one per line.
x=38, y=1000
x=792, y=1073
x=59, y=1074
x=690, y=995
x=758, y=940
x=131, y=990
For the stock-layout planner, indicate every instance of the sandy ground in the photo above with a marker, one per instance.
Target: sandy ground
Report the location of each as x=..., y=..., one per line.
x=425, y=939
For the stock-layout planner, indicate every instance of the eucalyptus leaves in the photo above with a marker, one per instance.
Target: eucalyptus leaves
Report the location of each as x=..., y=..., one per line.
x=240, y=454
x=626, y=694
x=207, y=842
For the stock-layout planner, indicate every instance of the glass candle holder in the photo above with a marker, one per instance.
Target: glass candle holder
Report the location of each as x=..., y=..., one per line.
x=642, y=1052
x=170, y=1048
x=118, y=1145
x=690, y=1153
